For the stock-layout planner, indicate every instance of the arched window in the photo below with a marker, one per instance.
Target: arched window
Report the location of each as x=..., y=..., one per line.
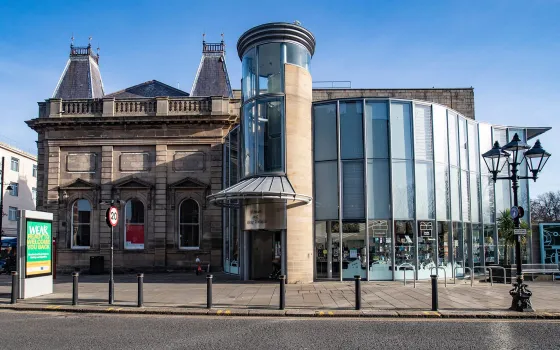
x=81, y=224
x=134, y=224
x=189, y=224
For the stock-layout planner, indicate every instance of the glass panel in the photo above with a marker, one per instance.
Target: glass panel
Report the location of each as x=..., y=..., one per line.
x=379, y=190
x=81, y=236
x=248, y=125
x=489, y=245
x=270, y=68
x=351, y=130
x=354, y=261
x=475, y=200
x=353, y=190
x=234, y=136
x=474, y=158
x=401, y=130
x=453, y=148
x=442, y=191
x=465, y=203
x=455, y=194
x=188, y=213
x=298, y=55
x=426, y=249
x=227, y=161
x=327, y=244
x=188, y=236
x=234, y=242
x=463, y=143
x=503, y=187
x=134, y=225
x=425, y=190
x=380, y=264
x=270, y=123
x=485, y=131
x=324, y=132
x=403, y=189
x=488, y=214
x=249, y=75
x=404, y=249
x=458, y=252
x=81, y=221
x=440, y=135
x=227, y=237
x=443, y=245
x=326, y=190
x=423, y=132
x=477, y=245
x=467, y=242
x=377, y=130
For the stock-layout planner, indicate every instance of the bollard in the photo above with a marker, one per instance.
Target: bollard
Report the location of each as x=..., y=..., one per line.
x=434, y=293
x=209, y=291
x=358, y=292
x=140, y=289
x=75, y=288
x=14, y=287
x=282, y=292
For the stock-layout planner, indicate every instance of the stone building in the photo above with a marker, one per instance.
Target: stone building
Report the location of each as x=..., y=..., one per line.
x=153, y=150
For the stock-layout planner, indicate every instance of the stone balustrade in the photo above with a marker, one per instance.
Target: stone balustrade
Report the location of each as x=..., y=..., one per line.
x=159, y=106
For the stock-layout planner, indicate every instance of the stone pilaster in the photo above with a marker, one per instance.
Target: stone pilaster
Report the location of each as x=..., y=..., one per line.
x=106, y=196
x=160, y=206
x=53, y=181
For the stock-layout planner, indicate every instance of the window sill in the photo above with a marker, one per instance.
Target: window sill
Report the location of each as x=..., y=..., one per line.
x=189, y=248
x=81, y=248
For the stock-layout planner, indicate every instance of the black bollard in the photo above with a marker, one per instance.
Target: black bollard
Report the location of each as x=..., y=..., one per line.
x=282, y=292
x=14, y=287
x=75, y=288
x=358, y=292
x=209, y=291
x=140, y=289
x=434, y=293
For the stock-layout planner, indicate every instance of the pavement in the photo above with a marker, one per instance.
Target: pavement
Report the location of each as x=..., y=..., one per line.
x=185, y=294
x=55, y=330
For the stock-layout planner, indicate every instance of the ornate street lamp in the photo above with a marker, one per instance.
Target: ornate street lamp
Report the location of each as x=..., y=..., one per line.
x=495, y=160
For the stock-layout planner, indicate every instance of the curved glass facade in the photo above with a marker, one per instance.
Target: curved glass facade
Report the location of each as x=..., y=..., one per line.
x=400, y=188
x=263, y=121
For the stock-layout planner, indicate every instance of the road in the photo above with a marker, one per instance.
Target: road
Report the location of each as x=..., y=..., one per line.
x=26, y=330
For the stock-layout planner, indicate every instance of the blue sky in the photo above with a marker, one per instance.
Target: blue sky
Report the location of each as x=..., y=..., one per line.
x=508, y=50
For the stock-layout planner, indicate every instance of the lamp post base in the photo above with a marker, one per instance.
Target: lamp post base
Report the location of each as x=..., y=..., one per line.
x=521, y=297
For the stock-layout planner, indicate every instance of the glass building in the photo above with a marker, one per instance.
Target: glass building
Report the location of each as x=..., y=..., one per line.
x=396, y=186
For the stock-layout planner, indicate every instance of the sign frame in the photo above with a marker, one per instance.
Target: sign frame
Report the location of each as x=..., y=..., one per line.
x=27, y=275
x=519, y=231
x=115, y=222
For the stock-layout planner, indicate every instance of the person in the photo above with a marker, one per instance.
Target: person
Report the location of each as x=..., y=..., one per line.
x=198, y=266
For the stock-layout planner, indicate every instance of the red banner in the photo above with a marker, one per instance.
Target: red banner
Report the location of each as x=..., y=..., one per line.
x=135, y=233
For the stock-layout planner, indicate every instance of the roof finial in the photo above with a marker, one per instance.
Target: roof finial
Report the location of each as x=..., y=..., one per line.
x=203, y=37
x=222, y=38
x=89, y=44
x=72, y=40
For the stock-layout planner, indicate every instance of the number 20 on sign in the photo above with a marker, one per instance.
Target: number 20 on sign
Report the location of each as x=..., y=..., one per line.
x=112, y=216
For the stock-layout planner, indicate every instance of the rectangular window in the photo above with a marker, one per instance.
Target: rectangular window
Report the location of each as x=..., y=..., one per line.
x=353, y=190
x=425, y=190
x=15, y=189
x=423, y=132
x=377, y=125
x=401, y=130
x=485, y=136
x=475, y=201
x=442, y=192
x=379, y=189
x=473, y=147
x=34, y=170
x=403, y=189
x=270, y=124
x=34, y=194
x=463, y=144
x=324, y=132
x=351, y=130
x=326, y=190
x=455, y=195
x=453, y=149
x=12, y=213
x=15, y=164
x=440, y=133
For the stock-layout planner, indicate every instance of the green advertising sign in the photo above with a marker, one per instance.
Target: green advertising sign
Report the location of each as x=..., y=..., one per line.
x=38, y=248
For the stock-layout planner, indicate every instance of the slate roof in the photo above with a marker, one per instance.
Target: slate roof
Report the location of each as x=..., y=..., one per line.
x=81, y=77
x=212, y=77
x=151, y=88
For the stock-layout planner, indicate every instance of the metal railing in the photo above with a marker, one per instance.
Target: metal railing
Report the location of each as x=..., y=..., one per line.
x=498, y=267
x=464, y=272
x=444, y=273
x=404, y=273
x=484, y=268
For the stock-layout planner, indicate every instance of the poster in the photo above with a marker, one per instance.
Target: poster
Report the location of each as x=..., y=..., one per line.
x=38, y=260
x=134, y=236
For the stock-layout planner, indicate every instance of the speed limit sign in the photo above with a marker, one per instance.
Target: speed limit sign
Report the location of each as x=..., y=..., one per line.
x=112, y=216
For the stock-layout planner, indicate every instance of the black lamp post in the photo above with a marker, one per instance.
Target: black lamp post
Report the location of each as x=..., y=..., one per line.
x=9, y=188
x=495, y=160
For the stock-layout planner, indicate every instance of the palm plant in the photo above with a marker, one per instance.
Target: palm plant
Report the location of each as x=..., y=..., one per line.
x=505, y=232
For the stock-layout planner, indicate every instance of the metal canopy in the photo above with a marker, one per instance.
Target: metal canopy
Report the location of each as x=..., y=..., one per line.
x=259, y=187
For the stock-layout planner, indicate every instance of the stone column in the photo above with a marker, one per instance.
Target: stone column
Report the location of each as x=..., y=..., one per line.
x=160, y=207
x=53, y=181
x=299, y=164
